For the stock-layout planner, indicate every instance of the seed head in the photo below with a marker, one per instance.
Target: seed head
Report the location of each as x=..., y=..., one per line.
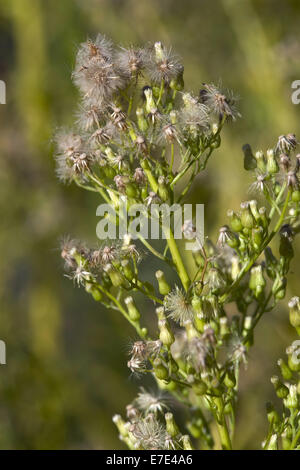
x=179, y=308
x=219, y=102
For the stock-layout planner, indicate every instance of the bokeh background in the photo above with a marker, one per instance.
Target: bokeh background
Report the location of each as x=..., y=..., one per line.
x=66, y=371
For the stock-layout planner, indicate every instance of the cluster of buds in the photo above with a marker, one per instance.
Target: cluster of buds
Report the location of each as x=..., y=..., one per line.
x=284, y=428
x=138, y=133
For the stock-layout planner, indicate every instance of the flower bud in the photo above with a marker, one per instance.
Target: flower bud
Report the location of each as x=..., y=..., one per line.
x=272, y=165
x=273, y=416
x=261, y=161
x=257, y=237
x=115, y=276
x=235, y=221
x=186, y=443
x=257, y=281
x=160, y=370
x=247, y=218
x=293, y=353
x=279, y=288
x=126, y=266
x=92, y=289
x=291, y=401
x=294, y=306
x=163, y=191
x=254, y=209
x=286, y=372
x=171, y=426
x=133, y=312
x=281, y=390
x=190, y=330
x=165, y=333
x=163, y=286
x=121, y=425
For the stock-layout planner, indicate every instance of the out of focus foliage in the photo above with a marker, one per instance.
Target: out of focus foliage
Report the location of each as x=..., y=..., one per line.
x=66, y=362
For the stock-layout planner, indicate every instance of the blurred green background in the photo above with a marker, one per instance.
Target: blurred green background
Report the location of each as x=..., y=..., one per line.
x=66, y=371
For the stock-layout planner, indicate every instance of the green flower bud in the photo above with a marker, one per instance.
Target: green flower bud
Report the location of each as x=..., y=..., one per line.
x=257, y=281
x=257, y=237
x=127, y=270
x=286, y=372
x=273, y=416
x=291, y=401
x=281, y=390
x=160, y=371
x=261, y=161
x=249, y=160
x=171, y=426
x=272, y=165
x=115, y=276
x=279, y=288
x=163, y=286
x=293, y=353
x=294, y=306
x=235, y=221
x=247, y=218
x=133, y=312
x=186, y=443
x=92, y=289
x=296, y=195
x=190, y=330
x=165, y=333
x=254, y=209
x=150, y=103
x=121, y=425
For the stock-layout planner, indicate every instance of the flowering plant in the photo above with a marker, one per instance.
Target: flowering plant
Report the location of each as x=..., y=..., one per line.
x=134, y=123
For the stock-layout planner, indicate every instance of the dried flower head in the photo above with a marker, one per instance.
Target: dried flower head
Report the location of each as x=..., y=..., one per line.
x=219, y=102
x=151, y=403
x=178, y=306
x=131, y=61
x=162, y=64
x=286, y=143
x=149, y=433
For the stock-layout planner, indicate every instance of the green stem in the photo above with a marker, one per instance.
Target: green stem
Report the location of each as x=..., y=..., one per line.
x=295, y=440
x=222, y=427
x=181, y=270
